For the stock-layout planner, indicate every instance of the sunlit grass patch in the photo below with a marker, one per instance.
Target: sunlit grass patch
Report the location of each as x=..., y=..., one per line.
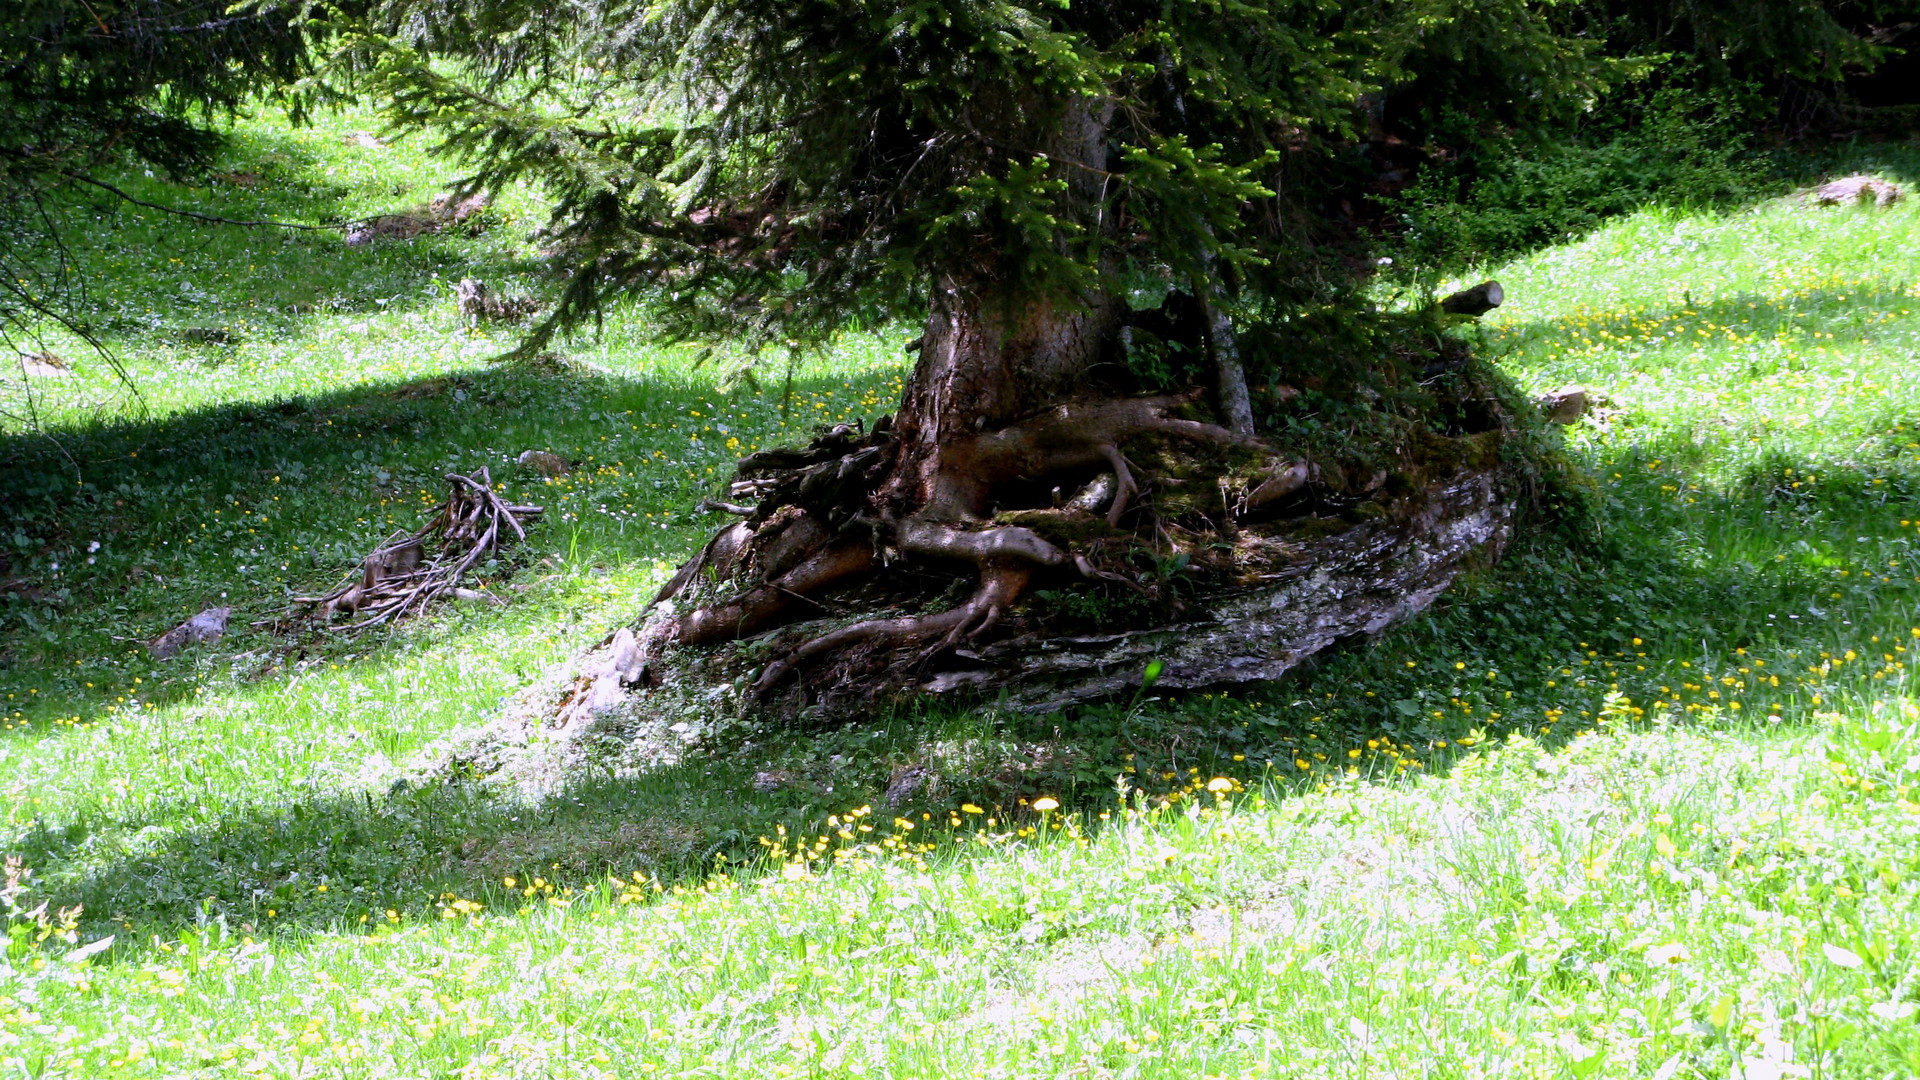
x=1699, y=902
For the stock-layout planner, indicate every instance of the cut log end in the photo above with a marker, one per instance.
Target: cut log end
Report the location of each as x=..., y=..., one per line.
x=1475, y=302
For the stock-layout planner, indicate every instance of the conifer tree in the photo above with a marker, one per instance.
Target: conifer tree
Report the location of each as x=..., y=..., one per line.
x=1110, y=218
x=86, y=84
x=1066, y=193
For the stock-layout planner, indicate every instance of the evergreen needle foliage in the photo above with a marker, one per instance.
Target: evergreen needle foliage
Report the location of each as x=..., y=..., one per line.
x=98, y=82
x=779, y=169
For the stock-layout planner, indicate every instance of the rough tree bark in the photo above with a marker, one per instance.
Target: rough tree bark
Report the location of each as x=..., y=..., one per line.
x=984, y=364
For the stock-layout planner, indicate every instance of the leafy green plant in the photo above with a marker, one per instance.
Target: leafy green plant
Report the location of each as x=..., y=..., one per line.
x=1673, y=143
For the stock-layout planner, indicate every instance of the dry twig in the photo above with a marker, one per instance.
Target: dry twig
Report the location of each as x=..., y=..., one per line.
x=401, y=578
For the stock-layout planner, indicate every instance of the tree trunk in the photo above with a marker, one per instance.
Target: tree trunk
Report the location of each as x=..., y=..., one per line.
x=1229, y=376
x=992, y=356
x=984, y=364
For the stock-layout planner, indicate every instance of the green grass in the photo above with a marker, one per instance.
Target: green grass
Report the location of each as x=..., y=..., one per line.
x=251, y=474
x=1470, y=850
x=1678, y=902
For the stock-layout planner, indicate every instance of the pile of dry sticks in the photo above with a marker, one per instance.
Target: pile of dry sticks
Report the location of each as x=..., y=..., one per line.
x=402, y=577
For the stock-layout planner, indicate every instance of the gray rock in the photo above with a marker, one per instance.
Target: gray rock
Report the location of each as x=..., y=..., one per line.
x=908, y=782
x=209, y=625
x=1856, y=190
x=545, y=462
x=207, y=335
x=44, y=365
x=771, y=780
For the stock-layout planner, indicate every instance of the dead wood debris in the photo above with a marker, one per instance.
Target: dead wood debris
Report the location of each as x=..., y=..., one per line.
x=442, y=212
x=412, y=570
x=1475, y=302
x=478, y=303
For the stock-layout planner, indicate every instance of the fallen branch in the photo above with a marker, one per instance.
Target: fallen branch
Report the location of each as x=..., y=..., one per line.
x=401, y=578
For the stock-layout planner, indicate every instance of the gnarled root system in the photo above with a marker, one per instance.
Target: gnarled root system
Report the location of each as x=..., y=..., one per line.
x=853, y=570
x=829, y=516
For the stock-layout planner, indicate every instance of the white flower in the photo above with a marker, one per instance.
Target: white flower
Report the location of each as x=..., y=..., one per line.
x=1668, y=954
x=1845, y=958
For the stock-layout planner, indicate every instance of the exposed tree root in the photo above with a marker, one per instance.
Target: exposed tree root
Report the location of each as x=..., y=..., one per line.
x=825, y=519
x=1007, y=558
x=1307, y=593
x=986, y=547
x=1069, y=437
x=757, y=608
x=1081, y=533
x=1000, y=586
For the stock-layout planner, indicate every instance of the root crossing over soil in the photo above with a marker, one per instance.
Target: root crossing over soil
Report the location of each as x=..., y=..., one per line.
x=835, y=512
x=1048, y=561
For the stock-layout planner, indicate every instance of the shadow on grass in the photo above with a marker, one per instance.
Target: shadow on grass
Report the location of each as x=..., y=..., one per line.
x=124, y=530
x=1780, y=174
x=323, y=862
x=1685, y=596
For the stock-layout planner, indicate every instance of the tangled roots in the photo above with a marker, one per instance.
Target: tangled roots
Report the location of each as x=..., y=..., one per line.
x=826, y=517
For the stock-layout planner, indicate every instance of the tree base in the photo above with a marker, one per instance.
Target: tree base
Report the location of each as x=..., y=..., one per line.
x=1288, y=590
x=1216, y=559
x=1296, y=587
x=1346, y=587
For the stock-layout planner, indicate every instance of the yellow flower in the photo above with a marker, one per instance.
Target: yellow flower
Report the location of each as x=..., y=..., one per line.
x=969, y=808
x=1219, y=784
x=1046, y=803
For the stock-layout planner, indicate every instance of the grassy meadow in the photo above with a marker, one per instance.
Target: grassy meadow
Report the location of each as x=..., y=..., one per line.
x=1638, y=801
